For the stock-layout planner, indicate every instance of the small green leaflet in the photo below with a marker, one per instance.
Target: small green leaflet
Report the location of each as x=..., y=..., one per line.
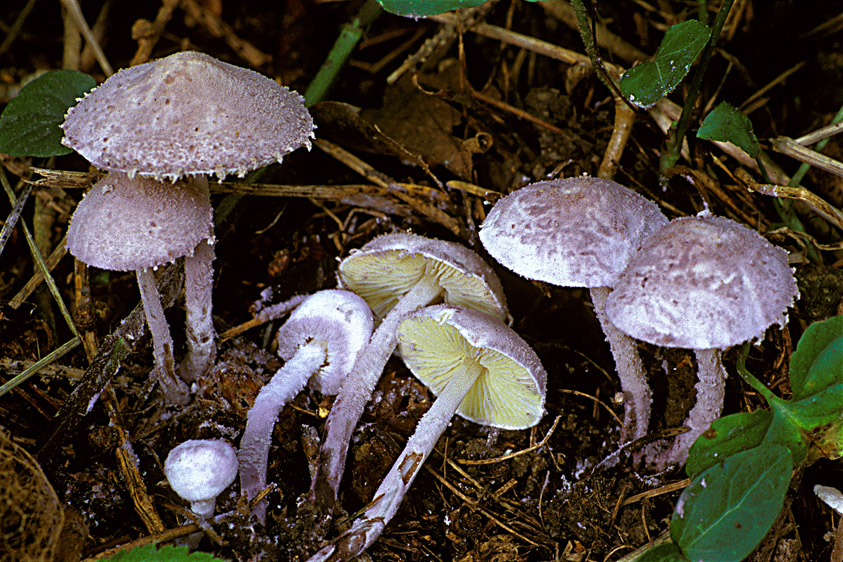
x=418, y=8
x=726, y=123
x=168, y=553
x=644, y=84
x=817, y=362
x=726, y=511
x=29, y=126
x=421, y=8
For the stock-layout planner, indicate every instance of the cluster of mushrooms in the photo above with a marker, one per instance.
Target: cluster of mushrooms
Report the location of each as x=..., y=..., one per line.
x=704, y=282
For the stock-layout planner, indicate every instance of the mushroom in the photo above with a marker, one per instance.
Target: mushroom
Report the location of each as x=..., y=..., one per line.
x=319, y=342
x=137, y=224
x=580, y=232
x=199, y=470
x=833, y=499
x=478, y=368
x=704, y=283
x=395, y=274
x=188, y=114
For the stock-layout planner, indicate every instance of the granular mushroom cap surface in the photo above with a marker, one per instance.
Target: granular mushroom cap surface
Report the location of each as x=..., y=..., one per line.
x=572, y=232
x=703, y=282
x=187, y=114
x=126, y=224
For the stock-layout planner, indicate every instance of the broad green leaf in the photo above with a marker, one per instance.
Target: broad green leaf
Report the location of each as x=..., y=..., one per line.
x=726, y=124
x=726, y=511
x=646, y=83
x=817, y=362
x=169, y=553
x=667, y=552
x=418, y=8
x=29, y=126
x=727, y=436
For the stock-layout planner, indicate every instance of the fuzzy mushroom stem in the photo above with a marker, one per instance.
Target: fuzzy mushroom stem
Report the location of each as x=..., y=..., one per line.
x=637, y=396
x=355, y=392
x=198, y=295
x=175, y=390
x=368, y=527
x=710, y=392
x=287, y=382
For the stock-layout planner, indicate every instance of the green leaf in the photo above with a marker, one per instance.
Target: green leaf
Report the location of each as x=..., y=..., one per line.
x=815, y=411
x=726, y=124
x=667, y=552
x=726, y=511
x=646, y=83
x=817, y=362
x=169, y=553
x=784, y=432
x=727, y=436
x=29, y=126
x=419, y=8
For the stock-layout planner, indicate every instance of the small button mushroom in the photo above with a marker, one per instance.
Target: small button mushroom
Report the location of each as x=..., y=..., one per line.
x=395, y=274
x=478, y=368
x=188, y=114
x=320, y=342
x=137, y=224
x=703, y=283
x=580, y=232
x=199, y=470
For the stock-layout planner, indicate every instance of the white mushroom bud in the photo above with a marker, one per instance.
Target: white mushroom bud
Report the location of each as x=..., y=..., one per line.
x=199, y=470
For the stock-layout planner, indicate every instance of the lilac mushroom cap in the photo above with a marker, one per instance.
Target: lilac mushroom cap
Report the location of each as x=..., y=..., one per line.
x=187, y=114
x=572, y=232
x=199, y=470
x=126, y=224
x=580, y=232
x=479, y=368
x=341, y=322
x=704, y=283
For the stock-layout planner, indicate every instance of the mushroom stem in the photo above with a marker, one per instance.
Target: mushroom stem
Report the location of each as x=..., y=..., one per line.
x=175, y=391
x=355, y=393
x=710, y=391
x=368, y=527
x=198, y=294
x=287, y=382
x=637, y=396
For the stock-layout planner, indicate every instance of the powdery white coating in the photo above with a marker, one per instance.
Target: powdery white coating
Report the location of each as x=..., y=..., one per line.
x=341, y=321
x=388, y=266
x=703, y=282
x=126, y=224
x=509, y=394
x=187, y=114
x=200, y=469
x=572, y=232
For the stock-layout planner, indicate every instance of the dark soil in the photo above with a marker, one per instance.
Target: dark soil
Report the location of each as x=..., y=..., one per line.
x=576, y=498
